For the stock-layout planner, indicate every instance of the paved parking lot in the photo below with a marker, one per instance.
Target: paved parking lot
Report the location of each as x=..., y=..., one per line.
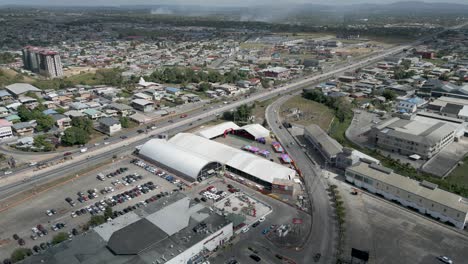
x=393, y=234
x=21, y=218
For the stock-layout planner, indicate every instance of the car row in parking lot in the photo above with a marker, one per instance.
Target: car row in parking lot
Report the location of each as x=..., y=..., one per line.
x=158, y=172
x=119, y=171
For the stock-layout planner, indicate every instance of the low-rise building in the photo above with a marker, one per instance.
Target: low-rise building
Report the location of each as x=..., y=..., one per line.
x=328, y=147
x=18, y=89
x=62, y=121
x=5, y=129
x=24, y=128
x=424, y=197
x=109, y=125
x=143, y=105
x=408, y=137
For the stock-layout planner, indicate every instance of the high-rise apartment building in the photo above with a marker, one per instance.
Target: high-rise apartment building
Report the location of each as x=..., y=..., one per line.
x=42, y=61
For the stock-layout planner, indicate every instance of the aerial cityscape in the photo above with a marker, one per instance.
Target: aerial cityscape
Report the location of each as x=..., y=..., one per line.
x=217, y=132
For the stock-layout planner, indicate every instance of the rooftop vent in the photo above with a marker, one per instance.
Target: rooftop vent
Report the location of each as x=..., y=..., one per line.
x=429, y=185
x=380, y=168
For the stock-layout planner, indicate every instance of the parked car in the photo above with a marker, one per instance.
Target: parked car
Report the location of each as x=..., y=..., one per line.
x=445, y=259
x=255, y=257
x=15, y=237
x=21, y=242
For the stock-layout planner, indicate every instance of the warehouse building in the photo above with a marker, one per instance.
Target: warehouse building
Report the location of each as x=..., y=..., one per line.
x=413, y=137
x=172, y=230
x=424, y=197
x=328, y=147
x=194, y=156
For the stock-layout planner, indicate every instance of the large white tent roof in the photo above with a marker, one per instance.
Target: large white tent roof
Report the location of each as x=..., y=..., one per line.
x=217, y=130
x=186, y=162
x=256, y=130
x=254, y=165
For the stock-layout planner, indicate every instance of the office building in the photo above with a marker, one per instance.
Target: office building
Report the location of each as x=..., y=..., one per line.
x=410, y=137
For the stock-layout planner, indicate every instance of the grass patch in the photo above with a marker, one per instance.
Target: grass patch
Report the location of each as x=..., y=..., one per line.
x=260, y=107
x=459, y=175
x=338, y=130
x=312, y=112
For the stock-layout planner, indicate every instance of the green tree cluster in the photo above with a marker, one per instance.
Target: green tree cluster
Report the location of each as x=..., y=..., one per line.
x=7, y=57
x=20, y=254
x=401, y=73
x=41, y=142
x=240, y=115
x=343, y=109
x=389, y=95
x=125, y=122
x=97, y=220
x=180, y=75
x=79, y=132
x=44, y=122
x=59, y=238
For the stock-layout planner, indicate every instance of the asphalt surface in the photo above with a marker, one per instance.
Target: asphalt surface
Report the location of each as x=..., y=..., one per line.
x=323, y=233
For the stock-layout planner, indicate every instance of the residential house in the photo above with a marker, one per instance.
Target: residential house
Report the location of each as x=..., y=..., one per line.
x=5, y=129
x=122, y=109
x=78, y=106
x=143, y=105
x=173, y=90
x=49, y=104
x=109, y=125
x=93, y=114
x=13, y=118
x=62, y=121
x=24, y=128
x=410, y=105
x=4, y=112
x=29, y=102
x=5, y=96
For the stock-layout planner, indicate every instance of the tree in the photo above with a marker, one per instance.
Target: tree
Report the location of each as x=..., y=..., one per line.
x=75, y=136
x=24, y=113
x=20, y=254
x=108, y=212
x=389, y=95
x=41, y=142
x=82, y=122
x=204, y=86
x=125, y=122
x=44, y=122
x=59, y=238
x=96, y=220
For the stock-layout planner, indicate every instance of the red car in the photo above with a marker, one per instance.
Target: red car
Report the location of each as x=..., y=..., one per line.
x=183, y=115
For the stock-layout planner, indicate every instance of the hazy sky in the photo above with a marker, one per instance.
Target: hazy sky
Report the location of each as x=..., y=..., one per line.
x=196, y=2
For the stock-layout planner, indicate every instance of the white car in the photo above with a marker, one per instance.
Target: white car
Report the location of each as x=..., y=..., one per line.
x=8, y=172
x=73, y=215
x=106, y=143
x=245, y=230
x=445, y=259
x=261, y=219
x=49, y=213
